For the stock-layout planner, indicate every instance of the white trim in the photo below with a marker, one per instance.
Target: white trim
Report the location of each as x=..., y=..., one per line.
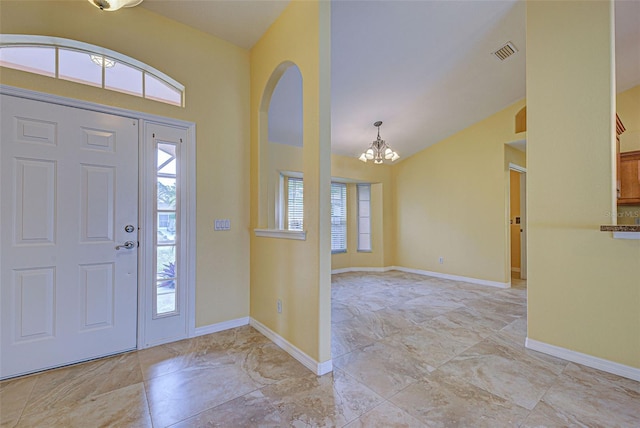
x=515, y=269
x=324, y=368
x=190, y=220
x=281, y=234
x=626, y=235
x=191, y=188
x=425, y=273
x=316, y=367
x=516, y=167
x=86, y=105
x=455, y=277
x=221, y=326
x=584, y=359
x=361, y=269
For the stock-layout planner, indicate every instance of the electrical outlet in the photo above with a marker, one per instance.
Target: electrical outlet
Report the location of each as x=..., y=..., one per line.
x=279, y=306
x=441, y=260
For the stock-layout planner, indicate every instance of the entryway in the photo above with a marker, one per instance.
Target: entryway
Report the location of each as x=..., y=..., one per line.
x=91, y=264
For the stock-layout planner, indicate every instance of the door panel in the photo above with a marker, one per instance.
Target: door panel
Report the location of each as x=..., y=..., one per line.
x=68, y=185
x=34, y=201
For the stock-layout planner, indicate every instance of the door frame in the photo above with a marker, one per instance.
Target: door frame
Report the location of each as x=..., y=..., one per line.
x=189, y=210
x=523, y=216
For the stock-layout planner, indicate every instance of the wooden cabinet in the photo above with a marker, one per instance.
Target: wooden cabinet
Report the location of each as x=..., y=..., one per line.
x=619, y=130
x=629, y=178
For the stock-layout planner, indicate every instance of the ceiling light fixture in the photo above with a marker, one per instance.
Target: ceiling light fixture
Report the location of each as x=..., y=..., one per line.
x=112, y=5
x=99, y=60
x=379, y=150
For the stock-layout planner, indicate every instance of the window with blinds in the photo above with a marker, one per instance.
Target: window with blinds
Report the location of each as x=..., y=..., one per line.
x=338, y=217
x=295, y=207
x=364, y=217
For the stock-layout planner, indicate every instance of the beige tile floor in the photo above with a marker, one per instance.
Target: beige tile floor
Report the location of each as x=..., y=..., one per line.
x=408, y=351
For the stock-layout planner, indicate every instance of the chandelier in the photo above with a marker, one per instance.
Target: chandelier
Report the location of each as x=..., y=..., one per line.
x=111, y=5
x=379, y=150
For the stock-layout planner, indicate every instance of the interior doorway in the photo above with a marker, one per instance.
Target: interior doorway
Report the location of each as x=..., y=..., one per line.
x=517, y=220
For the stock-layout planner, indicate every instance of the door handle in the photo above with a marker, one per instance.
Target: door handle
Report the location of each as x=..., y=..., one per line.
x=127, y=245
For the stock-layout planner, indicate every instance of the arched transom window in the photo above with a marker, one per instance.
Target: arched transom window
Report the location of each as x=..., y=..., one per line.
x=89, y=65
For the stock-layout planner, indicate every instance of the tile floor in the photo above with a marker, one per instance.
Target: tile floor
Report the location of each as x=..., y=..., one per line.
x=408, y=351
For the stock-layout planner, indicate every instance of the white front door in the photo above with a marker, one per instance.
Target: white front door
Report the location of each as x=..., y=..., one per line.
x=69, y=193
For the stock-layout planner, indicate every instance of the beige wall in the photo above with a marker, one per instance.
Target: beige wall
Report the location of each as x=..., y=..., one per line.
x=583, y=285
x=452, y=200
x=216, y=76
x=296, y=272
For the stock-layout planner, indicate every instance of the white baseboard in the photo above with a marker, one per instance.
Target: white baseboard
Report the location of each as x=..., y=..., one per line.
x=304, y=359
x=426, y=273
x=454, y=277
x=225, y=325
x=584, y=359
x=362, y=269
x=514, y=269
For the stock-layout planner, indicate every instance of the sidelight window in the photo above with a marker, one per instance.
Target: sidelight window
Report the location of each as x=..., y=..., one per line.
x=167, y=233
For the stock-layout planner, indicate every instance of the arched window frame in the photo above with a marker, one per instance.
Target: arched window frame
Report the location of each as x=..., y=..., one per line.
x=17, y=40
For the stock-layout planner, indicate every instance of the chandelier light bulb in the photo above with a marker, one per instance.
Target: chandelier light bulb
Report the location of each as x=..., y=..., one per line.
x=369, y=154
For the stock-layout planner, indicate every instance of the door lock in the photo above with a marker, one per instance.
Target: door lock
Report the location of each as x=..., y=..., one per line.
x=127, y=245
x=129, y=228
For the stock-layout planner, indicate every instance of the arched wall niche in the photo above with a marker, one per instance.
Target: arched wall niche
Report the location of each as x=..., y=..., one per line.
x=282, y=102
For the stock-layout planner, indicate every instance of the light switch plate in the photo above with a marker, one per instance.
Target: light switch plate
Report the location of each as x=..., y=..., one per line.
x=222, y=224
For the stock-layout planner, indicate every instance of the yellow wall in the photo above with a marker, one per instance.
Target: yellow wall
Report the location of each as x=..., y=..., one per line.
x=628, y=108
x=583, y=285
x=514, y=177
x=297, y=272
x=452, y=200
x=287, y=158
x=216, y=76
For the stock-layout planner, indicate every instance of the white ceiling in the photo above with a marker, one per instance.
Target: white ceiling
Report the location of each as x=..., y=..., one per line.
x=241, y=22
x=422, y=67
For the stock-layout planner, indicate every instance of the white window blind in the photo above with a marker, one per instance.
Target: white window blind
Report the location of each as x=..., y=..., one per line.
x=295, y=207
x=364, y=217
x=338, y=217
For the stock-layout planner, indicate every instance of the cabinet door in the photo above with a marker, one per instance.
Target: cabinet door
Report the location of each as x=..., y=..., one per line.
x=630, y=178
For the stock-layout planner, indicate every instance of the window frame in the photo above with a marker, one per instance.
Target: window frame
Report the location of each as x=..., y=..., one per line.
x=359, y=217
x=287, y=179
x=26, y=40
x=344, y=217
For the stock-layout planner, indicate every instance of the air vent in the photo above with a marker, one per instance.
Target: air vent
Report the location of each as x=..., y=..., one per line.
x=505, y=52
